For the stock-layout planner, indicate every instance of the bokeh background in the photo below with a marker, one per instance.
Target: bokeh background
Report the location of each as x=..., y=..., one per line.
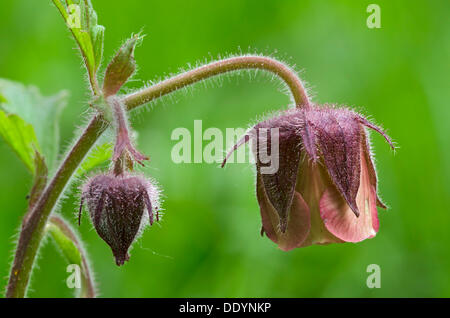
x=208, y=244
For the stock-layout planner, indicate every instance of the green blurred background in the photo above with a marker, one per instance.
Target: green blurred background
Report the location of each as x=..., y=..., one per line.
x=208, y=244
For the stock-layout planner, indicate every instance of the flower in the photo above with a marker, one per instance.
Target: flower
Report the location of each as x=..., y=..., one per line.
x=324, y=189
x=116, y=205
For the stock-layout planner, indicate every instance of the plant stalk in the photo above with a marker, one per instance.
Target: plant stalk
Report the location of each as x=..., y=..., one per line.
x=289, y=77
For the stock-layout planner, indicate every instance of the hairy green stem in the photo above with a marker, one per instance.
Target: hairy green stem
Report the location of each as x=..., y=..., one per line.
x=33, y=225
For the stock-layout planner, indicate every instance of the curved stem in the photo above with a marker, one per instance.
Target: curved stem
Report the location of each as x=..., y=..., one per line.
x=33, y=225
x=170, y=85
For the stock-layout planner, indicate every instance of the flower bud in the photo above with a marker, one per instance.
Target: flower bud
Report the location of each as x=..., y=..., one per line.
x=121, y=67
x=116, y=206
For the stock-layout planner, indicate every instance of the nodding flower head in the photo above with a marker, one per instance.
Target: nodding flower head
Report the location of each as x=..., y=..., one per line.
x=324, y=189
x=117, y=205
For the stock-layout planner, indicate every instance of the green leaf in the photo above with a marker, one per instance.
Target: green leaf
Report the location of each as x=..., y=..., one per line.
x=121, y=67
x=31, y=120
x=72, y=250
x=97, y=156
x=20, y=137
x=81, y=20
x=98, y=33
x=65, y=244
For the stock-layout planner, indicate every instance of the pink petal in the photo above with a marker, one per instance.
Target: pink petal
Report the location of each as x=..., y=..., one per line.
x=340, y=220
x=298, y=223
x=312, y=182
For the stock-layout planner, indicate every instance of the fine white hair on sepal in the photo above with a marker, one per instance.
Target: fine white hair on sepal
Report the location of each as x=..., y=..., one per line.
x=121, y=207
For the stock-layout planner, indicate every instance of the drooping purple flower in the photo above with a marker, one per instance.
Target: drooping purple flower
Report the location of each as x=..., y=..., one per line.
x=117, y=205
x=325, y=187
